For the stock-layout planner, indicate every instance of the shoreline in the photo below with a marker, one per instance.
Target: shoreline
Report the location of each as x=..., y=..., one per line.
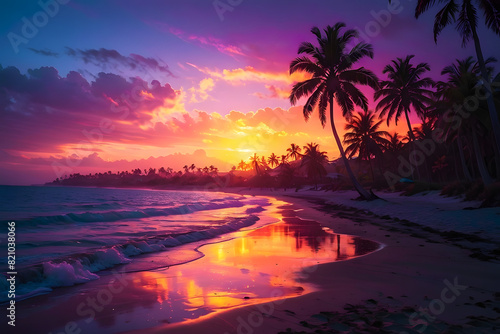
x=393, y=288
x=401, y=285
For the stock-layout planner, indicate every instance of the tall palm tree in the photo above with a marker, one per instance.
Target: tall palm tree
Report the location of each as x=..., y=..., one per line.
x=404, y=89
x=294, y=151
x=273, y=160
x=365, y=137
x=333, y=78
x=461, y=83
x=467, y=21
x=314, y=160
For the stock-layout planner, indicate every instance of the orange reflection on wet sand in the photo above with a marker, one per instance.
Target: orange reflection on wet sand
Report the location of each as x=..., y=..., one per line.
x=255, y=267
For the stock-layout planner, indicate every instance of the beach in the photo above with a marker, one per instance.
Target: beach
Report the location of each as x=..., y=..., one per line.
x=420, y=282
x=322, y=261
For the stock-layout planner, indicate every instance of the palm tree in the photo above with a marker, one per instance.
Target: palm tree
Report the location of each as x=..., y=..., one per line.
x=425, y=129
x=263, y=163
x=461, y=83
x=333, y=78
x=284, y=159
x=242, y=165
x=467, y=21
x=273, y=160
x=192, y=167
x=314, y=160
x=255, y=162
x=394, y=144
x=404, y=90
x=294, y=151
x=365, y=137
x=186, y=169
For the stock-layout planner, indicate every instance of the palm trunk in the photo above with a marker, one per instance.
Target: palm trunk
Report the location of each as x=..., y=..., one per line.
x=412, y=144
x=362, y=192
x=467, y=175
x=495, y=122
x=481, y=166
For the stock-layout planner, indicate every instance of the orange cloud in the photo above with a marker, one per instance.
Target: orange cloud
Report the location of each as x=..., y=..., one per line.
x=274, y=93
x=201, y=93
x=239, y=76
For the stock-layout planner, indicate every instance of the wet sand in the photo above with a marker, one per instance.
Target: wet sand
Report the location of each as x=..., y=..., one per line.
x=259, y=266
x=422, y=281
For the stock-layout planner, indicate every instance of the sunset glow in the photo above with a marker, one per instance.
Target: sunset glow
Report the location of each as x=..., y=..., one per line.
x=173, y=83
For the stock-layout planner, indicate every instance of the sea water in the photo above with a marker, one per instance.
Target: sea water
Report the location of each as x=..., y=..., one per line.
x=68, y=235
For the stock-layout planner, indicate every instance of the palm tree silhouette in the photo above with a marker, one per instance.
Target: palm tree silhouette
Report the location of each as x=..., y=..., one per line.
x=294, y=151
x=284, y=159
x=403, y=90
x=467, y=21
x=255, y=162
x=365, y=137
x=314, y=160
x=394, y=144
x=461, y=83
x=273, y=160
x=242, y=165
x=333, y=78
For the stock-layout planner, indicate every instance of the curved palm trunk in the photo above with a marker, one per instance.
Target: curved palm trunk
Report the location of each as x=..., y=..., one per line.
x=362, y=192
x=495, y=122
x=412, y=143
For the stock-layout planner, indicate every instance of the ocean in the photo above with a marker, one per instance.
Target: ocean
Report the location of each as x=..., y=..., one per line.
x=69, y=235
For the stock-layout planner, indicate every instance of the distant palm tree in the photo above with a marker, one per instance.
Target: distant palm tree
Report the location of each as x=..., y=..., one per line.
x=273, y=160
x=242, y=165
x=255, y=163
x=263, y=163
x=394, y=145
x=186, y=169
x=192, y=167
x=213, y=169
x=333, y=78
x=425, y=130
x=314, y=160
x=294, y=151
x=467, y=21
x=284, y=159
x=365, y=137
x=404, y=89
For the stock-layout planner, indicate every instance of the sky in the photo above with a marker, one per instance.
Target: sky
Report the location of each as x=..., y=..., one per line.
x=91, y=86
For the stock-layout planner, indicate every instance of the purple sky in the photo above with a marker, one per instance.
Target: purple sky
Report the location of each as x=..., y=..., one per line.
x=193, y=64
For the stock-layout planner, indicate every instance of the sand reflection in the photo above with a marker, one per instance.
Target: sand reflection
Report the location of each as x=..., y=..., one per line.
x=254, y=267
